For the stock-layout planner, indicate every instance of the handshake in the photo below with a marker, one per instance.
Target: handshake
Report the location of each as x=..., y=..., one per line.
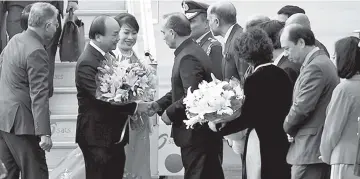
x=150, y=109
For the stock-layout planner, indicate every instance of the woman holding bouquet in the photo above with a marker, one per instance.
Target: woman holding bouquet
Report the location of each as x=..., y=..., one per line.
x=268, y=93
x=137, y=152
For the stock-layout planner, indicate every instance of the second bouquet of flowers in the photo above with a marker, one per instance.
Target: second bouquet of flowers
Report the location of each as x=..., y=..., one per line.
x=213, y=100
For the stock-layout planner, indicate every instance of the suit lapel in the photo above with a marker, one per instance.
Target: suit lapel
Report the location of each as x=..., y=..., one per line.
x=229, y=39
x=205, y=38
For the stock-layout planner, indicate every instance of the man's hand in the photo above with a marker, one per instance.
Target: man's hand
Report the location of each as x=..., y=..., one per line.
x=72, y=5
x=212, y=126
x=153, y=108
x=45, y=143
x=142, y=107
x=166, y=119
x=290, y=139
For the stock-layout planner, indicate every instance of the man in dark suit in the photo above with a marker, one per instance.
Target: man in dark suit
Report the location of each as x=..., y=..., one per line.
x=199, y=146
x=303, y=20
x=24, y=97
x=99, y=123
x=200, y=33
x=312, y=93
x=13, y=26
x=222, y=21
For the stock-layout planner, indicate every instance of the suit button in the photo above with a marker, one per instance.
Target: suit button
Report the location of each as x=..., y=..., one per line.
x=357, y=133
x=358, y=119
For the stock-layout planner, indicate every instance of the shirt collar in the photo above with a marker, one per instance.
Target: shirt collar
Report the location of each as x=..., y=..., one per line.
x=182, y=46
x=277, y=60
x=201, y=37
x=262, y=65
x=97, y=48
x=228, y=33
x=307, y=58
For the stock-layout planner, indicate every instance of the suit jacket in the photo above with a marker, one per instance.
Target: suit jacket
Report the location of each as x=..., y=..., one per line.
x=339, y=140
x=24, y=92
x=98, y=123
x=213, y=49
x=291, y=68
x=312, y=94
x=58, y=4
x=191, y=66
x=232, y=66
x=268, y=84
x=322, y=47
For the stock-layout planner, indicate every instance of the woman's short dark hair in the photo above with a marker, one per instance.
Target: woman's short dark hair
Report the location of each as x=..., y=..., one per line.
x=273, y=29
x=25, y=17
x=97, y=26
x=127, y=19
x=347, y=53
x=254, y=46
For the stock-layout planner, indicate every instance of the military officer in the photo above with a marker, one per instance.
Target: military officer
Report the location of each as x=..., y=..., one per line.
x=200, y=32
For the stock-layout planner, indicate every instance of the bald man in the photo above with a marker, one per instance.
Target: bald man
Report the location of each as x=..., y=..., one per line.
x=222, y=22
x=303, y=20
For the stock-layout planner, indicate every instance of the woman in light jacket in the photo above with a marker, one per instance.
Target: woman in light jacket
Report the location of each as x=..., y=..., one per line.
x=340, y=136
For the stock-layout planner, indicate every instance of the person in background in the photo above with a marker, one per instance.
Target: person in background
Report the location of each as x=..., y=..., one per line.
x=273, y=28
x=25, y=16
x=255, y=20
x=311, y=95
x=339, y=141
x=303, y=20
x=222, y=22
x=24, y=95
x=13, y=26
x=287, y=11
x=200, y=32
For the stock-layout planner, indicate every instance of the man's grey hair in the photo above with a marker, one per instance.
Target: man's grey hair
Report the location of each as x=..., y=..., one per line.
x=41, y=13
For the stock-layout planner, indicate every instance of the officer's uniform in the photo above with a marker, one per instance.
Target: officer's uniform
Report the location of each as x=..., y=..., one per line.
x=211, y=46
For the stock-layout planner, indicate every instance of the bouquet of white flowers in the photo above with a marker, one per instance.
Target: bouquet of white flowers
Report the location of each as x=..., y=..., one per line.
x=212, y=100
x=123, y=82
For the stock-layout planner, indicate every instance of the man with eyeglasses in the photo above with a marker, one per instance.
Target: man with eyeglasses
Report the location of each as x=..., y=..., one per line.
x=24, y=96
x=13, y=26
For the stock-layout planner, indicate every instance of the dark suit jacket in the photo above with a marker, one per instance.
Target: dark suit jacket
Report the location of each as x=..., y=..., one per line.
x=24, y=86
x=291, y=68
x=99, y=123
x=191, y=66
x=213, y=49
x=312, y=94
x=322, y=47
x=232, y=66
x=268, y=99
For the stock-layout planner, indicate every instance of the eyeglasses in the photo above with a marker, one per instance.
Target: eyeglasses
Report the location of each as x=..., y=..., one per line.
x=55, y=24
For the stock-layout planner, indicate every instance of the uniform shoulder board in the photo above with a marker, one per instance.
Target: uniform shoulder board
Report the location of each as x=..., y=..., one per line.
x=213, y=42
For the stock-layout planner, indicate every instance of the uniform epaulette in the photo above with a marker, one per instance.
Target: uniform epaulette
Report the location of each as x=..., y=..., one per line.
x=213, y=42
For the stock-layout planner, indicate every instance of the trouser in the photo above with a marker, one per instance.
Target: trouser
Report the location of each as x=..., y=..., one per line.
x=202, y=162
x=22, y=153
x=311, y=171
x=104, y=162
